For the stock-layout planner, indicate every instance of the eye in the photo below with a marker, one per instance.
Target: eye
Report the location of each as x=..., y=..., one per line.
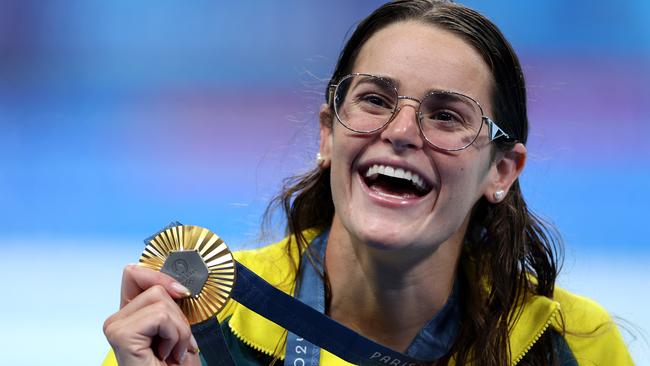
x=449, y=111
x=443, y=116
x=375, y=100
x=446, y=117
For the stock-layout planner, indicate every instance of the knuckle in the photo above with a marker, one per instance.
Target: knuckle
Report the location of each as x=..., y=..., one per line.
x=110, y=330
x=159, y=291
x=128, y=270
x=185, y=332
x=162, y=311
x=107, y=323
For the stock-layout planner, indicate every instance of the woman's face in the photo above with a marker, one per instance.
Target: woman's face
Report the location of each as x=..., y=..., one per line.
x=386, y=213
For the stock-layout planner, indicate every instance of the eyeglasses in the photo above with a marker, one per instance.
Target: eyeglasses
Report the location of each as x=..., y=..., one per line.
x=448, y=120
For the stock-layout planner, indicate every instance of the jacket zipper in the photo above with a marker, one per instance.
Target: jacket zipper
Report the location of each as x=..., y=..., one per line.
x=538, y=335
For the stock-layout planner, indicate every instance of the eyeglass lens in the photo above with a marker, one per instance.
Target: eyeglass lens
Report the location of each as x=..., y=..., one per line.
x=448, y=120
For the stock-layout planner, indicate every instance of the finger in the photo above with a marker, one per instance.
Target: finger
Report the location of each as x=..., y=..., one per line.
x=192, y=359
x=183, y=344
x=194, y=347
x=174, y=341
x=136, y=279
x=133, y=335
x=187, y=353
x=152, y=295
x=165, y=345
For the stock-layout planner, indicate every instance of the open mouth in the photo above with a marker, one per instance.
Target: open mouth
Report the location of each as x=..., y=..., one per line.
x=397, y=182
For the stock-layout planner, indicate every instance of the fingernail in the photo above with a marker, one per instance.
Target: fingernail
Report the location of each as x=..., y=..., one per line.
x=182, y=290
x=193, y=345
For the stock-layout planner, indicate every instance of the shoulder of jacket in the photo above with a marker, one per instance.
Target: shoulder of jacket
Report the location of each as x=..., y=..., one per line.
x=580, y=313
x=266, y=260
x=590, y=331
x=276, y=263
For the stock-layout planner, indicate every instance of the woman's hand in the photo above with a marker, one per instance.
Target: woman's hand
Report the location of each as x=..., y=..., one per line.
x=150, y=328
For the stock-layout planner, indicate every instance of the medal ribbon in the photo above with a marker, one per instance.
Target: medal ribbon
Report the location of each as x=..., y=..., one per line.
x=259, y=296
x=311, y=291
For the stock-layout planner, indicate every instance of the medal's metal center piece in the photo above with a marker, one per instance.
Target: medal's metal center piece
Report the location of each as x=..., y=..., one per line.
x=187, y=267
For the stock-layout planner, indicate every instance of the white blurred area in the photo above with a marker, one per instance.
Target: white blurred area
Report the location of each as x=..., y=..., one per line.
x=52, y=313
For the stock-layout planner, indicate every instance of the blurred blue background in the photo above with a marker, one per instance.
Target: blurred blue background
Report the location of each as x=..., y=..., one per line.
x=117, y=117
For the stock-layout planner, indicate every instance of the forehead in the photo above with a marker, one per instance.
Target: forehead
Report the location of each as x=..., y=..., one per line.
x=421, y=57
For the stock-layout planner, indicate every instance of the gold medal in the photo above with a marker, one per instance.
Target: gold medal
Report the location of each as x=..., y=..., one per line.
x=200, y=261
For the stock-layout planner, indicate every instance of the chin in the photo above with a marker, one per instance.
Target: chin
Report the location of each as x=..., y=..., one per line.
x=390, y=237
x=399, y=232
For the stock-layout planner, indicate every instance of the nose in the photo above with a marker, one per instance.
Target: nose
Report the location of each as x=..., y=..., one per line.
x=403, y=131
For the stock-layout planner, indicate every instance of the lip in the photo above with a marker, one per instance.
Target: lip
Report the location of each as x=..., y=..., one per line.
x=389, y=200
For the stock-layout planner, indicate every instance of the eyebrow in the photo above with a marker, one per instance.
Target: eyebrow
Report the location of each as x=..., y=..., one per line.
x=397, y=85
x=394, y=82
x=371, y=81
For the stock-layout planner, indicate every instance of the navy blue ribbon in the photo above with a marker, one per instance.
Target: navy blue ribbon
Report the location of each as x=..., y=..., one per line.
x=212, y=344
x=310, y=291
x=259, y=296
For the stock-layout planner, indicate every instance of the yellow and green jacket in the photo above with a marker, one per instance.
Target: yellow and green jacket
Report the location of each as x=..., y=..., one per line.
x=590, y=338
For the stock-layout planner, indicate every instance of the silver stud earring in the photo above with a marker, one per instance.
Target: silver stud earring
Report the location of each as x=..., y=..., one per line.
x=319, y=159
x=498, y=195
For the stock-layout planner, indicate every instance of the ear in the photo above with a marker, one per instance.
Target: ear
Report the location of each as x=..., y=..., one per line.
x=326, y=123
x=504, y=172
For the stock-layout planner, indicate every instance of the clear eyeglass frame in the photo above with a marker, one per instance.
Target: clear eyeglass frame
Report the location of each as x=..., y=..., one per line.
x=494, y=131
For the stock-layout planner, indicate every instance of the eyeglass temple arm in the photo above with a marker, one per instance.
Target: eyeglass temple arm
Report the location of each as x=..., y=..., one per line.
x=494, y=130
x=330, y=93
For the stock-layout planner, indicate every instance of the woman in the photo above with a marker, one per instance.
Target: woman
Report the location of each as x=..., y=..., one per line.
x=414, y=213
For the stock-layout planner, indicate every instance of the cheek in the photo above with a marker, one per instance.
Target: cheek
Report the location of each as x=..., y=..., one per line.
x=346, y=148
x=344, y=152
x=462, y=178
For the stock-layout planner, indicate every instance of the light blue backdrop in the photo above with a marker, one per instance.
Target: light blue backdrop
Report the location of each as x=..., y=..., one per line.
x=119, y=116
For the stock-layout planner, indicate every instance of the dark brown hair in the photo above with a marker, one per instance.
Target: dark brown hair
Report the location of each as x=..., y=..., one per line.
x=505, y=242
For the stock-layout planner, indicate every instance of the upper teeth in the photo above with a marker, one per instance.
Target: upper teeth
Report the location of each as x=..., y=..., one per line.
x=397, y=173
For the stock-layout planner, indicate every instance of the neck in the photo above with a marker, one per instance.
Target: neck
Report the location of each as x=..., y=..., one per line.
x=385, y=295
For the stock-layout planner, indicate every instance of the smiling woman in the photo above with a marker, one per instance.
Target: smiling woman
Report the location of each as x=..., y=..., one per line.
x=412, y=230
